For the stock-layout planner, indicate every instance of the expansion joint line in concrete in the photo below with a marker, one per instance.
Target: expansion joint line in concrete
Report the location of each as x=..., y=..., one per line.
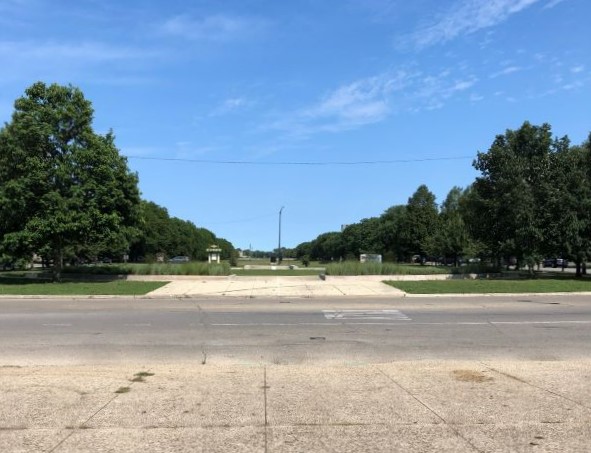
x=203, y=322
x=551, y=392
x=100, y=409
x=265, y=387
x=426, y=406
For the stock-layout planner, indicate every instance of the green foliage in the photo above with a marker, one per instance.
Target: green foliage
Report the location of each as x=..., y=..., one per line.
x=358, y=268
x=160, y=233
x=532, y=200
x=64, y=189
x=192, y=268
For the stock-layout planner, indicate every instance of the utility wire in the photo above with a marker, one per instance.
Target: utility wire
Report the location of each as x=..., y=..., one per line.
x=301, y=163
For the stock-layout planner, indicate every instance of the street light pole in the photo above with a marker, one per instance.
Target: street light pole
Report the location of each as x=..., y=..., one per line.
x=279, y=257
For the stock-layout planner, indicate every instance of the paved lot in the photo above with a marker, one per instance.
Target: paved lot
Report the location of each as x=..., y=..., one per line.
x=416, y=406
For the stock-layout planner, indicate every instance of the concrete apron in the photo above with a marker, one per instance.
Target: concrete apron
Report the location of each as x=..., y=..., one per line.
x=293, y=287
x=416, y=406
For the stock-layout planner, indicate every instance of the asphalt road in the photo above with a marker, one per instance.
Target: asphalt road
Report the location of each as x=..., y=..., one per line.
x=115, y=331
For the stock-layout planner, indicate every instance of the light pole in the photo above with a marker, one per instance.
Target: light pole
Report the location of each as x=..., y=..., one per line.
x=279, y=257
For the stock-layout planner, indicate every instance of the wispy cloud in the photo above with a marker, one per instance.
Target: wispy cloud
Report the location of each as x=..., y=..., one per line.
x=361, y=102
x=465, y=17
x=231, y=105
x=84, y=51
x=577, y=69
x=374, y=99
x=505, y=71
x=349, y=106
x=553, y=3
x=219, y=28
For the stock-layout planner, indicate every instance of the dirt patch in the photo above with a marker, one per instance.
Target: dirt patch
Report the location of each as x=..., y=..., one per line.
x=471, y=376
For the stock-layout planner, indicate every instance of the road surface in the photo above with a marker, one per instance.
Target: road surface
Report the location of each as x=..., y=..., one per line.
x=102, y=331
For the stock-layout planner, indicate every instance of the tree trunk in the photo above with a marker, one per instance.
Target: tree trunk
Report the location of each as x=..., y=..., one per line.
x=584, y=266
x=58, y=264
x=578, y=273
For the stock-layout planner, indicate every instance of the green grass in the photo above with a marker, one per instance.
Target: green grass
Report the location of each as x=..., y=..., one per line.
x=545, y=285
x=113, y=288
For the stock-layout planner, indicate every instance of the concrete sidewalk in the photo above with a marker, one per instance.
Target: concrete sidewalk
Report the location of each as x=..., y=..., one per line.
x=293, y=287
x=417, y=406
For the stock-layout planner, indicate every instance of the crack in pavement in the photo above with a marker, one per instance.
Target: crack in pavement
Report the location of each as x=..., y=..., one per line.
x=522, y=381
x=430, y=409
x=100, y=409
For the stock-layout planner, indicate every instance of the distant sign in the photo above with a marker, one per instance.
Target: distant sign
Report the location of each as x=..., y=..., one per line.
x=370, y=258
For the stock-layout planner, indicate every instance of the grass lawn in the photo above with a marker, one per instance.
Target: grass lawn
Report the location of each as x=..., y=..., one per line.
x=113, y=288
x=546, y=285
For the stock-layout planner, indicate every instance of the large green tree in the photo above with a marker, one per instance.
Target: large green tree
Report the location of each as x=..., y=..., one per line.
x=64, y=189
x=510, y=198
x=569, y=205
x=451, y=239
x=420, y=221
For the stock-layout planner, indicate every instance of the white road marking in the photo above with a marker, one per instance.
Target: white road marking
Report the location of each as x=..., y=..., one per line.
x=139, y=324
x=392, y=315
x=475, y=323
x=57, y=325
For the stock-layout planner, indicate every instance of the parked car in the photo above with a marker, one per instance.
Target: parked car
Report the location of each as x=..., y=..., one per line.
x=179, y=259
x=555, y=262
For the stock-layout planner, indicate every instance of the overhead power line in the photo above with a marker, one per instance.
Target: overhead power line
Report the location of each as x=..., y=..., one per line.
x=302, y=163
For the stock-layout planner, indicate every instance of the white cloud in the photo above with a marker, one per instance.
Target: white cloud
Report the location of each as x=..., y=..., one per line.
x=374, y=99
x=231, y=105
x=577, y=69
x=211, y=28
x=359, y=103
x=573, y=85
x=467, y=16
x=552, y=3
x=505, y=71
x=476, y=97
x=84, y=51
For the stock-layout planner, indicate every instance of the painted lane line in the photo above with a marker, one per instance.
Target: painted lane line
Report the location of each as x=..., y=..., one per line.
x=138, y=324
x=328, y=324
x=56, y=325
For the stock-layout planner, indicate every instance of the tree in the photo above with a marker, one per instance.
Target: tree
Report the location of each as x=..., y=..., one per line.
x=510, y=198
x=451, y=238
x=63, y=188
x=420, y=222
x=569, y=203
x=390, y=231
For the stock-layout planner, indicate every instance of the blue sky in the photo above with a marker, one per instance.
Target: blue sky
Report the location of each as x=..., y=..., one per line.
x=421, y=85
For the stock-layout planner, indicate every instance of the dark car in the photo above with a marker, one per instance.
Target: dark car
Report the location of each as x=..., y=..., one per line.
x=179, y=259
x=555, y=262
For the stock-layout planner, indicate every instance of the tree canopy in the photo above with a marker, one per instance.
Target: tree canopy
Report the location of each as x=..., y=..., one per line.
x=531, y=200
x=64, y=189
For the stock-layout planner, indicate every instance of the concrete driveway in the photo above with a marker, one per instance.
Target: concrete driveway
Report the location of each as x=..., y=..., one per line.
x=250, y=287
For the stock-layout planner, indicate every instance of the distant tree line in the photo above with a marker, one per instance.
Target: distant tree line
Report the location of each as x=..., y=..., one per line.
x=531, y=200
x=66, y=194
x=170, y=236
